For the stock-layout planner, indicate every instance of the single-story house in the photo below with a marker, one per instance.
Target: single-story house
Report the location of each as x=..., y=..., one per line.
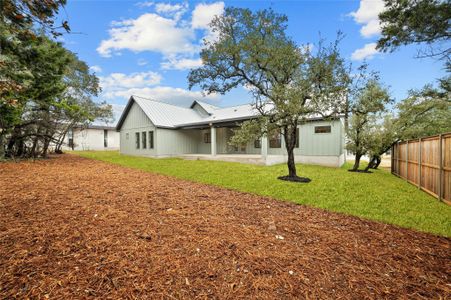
x=92, y=137
x=202, y=131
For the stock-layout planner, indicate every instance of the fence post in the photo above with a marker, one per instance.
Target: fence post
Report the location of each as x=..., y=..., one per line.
x=440, y=188
x=407, y=160
x=392, y=158
x=419, y=163
x=398, y=169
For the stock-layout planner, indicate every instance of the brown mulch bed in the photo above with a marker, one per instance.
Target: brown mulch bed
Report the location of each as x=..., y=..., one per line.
x=78, y=228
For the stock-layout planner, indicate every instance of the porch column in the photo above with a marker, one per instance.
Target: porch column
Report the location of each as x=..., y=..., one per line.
x=213, y=140
x=264, y=144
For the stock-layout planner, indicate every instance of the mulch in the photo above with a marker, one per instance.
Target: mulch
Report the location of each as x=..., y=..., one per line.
x=77, y=228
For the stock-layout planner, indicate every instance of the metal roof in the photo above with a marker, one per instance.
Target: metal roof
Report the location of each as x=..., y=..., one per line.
x=171, y=116
x=166, y=115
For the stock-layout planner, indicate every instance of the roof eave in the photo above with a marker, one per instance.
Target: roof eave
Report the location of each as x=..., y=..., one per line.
x=125, y=113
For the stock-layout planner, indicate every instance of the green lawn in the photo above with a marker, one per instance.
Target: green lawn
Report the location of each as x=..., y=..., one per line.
x=377, y=196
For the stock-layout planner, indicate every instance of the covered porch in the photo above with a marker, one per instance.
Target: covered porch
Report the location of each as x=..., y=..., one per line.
x=213, y=142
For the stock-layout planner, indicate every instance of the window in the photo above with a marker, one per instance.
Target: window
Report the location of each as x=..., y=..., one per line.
x=150, y=139
x=105, y=138
x=126, y=136
x=275, y=140
x=297, y=138
x=144, y=139
x=322, y=129
x=258, y=143
x=137, y=140
x=207, y=138
x=70, y=136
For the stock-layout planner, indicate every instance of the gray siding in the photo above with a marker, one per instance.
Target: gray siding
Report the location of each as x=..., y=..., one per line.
x=175, y=142
x=172, y=142
x=319, y=144
x=137, y=121
x=200, y=110
x=312, y=143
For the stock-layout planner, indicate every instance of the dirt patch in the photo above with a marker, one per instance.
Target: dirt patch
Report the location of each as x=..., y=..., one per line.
x=77, y=228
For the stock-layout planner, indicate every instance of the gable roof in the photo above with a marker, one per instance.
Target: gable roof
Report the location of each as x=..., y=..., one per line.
x=166, y=115
x=206, y=106
x=161, y=114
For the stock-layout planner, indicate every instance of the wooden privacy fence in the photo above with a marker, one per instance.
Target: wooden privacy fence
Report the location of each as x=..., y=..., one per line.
x=426, y=163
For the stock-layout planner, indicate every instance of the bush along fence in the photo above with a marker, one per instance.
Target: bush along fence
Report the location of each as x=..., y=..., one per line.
x=426, y=163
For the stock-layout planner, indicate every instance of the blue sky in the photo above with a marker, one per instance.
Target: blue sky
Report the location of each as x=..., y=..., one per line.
x=147, y=47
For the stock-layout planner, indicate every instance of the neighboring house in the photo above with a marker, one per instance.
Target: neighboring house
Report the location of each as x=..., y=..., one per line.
x=92, y=137
x=157, y=129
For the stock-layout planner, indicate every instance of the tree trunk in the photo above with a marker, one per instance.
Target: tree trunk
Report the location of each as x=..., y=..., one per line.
x=370, y=163
x=356, y=162
x=2, y=148
x=291, y=164
x=20, y=147
x=377, y=163
x=45, y=148
x=289, y=135
x=10, y=147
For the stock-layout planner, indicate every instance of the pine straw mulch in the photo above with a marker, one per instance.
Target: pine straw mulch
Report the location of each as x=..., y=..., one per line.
x=78, y=228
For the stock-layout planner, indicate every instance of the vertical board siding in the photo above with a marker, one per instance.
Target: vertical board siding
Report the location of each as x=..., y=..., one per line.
x=424, y=163
x=137, y=121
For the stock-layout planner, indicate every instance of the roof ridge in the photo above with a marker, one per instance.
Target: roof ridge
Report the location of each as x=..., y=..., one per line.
x=204, y=102
x=246, y=104
x=162, y=102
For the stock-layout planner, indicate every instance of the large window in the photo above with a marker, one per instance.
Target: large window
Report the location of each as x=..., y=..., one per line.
x=275, y=140
x=258, y=143
x=322, y=129
x=150, y=139
x=105, y=138
x=207, y=138
x=137, y=140
x=144, y=139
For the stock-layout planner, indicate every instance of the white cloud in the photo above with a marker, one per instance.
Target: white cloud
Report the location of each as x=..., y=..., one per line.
x=164, y=32
x=367, y=52
x=145, y=4
x=169, y=8
x=203, y=14
x=146, y=84
x=95, y=68
x=174, y=63
x=175, y=11
x=120, y=81
x=149, y=32
x=368, y=16
x=177, y=96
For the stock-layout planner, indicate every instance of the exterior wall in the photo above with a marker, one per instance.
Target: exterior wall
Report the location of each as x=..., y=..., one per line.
x=172, y=142
x=316, y=144
x=137, y=121
x=93, y=139
x=315, y=148
x=321, y=144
